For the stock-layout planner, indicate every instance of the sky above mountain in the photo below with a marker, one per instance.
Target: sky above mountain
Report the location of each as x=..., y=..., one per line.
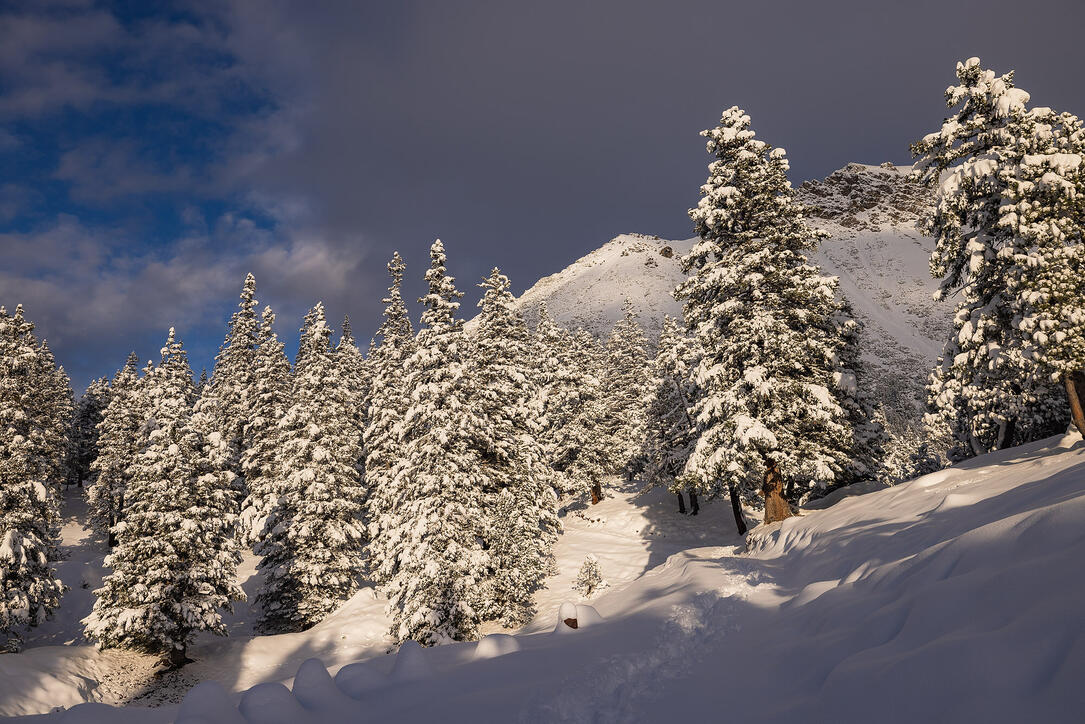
x=152, y=156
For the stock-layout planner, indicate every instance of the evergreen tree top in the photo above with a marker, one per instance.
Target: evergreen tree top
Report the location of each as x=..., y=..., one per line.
x=440, y=302
x=747, y=195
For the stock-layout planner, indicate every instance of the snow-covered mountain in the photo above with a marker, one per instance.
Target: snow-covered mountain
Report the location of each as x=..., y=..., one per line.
x=875, y=248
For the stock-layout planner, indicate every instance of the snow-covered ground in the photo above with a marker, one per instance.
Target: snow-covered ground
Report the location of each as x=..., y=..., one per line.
x=955, y=597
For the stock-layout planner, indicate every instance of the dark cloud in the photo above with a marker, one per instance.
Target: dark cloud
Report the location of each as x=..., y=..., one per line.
x=306, y=141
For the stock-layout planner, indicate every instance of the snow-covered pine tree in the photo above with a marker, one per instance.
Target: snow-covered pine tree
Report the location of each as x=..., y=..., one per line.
x=587, y=453
x=435, y=560
x=118, y=446
x=312, y=551
x=768, y=416
x=626, y=373
x=232, y=385
x=670, y=431
x=866, y=461
x=53, y=412
x=559, y=380
x=388, y=398
x=88, y=414
x=519, y=504
x=260, y=435
x=173, y=569
x=29, y=510
x=1008, y=229
x=589, y=579
x=354, y=373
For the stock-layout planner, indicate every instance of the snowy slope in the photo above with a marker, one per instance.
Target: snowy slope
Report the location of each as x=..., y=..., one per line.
x=954, y=597
x=874, y=248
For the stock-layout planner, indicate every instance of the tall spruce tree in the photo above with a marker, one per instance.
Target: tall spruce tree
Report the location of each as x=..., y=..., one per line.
x=670, y=430
x=388, y=399
x=29, y=507
x=1008, y=223
x=312, y=551
x=587, y=453
x=518, y=497
x=174, y=566
x=232, y=386
x=626, y=373
x=53, y=412
x=435, y=560
x=560, y=381
x=768, y=416
x=88, y=414
x=260, y=435
x=118, y=446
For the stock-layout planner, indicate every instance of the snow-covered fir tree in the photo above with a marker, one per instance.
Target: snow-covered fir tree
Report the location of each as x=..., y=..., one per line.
x=311, y=553
x=1008, y=226
x=29, y=507
x=174, y=565
x=866, y=460
x=670, y=431
x=88, y=414
x=435, y=561
x=232, y=384
x=260, y=435
x=519, y=504
x=768, y=416
x=53, y=412
x=387, y=404
x=354, y=371
x=589, y=579
x=118, y=446
x=626, y=375
x=559, y=380
x=587, y=452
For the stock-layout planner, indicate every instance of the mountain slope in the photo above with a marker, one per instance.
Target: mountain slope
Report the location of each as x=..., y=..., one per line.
x=875, y=248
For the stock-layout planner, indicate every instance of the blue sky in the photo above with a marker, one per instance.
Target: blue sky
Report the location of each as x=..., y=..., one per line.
x=154, y=153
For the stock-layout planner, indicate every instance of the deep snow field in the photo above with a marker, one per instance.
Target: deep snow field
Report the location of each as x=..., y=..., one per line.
x=955, y=597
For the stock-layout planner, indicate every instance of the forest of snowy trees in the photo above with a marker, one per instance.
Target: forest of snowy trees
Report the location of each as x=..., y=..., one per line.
x=434, y=463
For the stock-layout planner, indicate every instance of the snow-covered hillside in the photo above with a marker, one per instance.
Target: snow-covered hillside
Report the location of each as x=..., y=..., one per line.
x=954, y=597
x=875, y=249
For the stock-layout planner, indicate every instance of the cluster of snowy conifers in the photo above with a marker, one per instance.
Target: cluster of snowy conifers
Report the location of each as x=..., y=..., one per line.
x=433, y=464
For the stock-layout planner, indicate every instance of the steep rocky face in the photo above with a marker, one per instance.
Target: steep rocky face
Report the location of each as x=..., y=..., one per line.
x=865, y=197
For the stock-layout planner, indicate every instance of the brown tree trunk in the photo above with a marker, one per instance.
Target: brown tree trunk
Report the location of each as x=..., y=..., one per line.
x=596, y=493
x=681, y=503
x=1006, y=433
x=776, y=507
x=736, y=508
x=1075, y=390
x=177, y=658
x=694, y=506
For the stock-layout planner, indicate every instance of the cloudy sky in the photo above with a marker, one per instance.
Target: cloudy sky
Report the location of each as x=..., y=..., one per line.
x=150, y=158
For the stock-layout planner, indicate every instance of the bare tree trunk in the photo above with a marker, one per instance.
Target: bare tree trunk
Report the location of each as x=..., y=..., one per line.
x=1075, y=390
x=596, y=493
x=776, y=507
x=736, y=508
x=681, y=503
x=694, y=506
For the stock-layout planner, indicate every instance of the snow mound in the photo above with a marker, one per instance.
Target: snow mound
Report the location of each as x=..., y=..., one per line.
x=411, y=663
x=358, y=679
x=494, y=645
